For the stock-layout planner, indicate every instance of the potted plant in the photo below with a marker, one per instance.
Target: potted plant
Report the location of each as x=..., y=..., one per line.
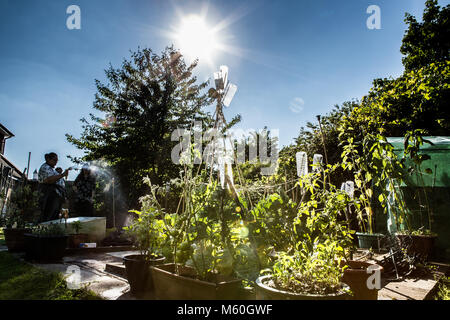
x=375, y=167
x=311, y=269
x=75, y=239
x=304, y=276
x=146, y=230
x=414, y=231
x=46, y=243
x=20, y=211
x=199, y=243
x=418, y=243
x=202, y=269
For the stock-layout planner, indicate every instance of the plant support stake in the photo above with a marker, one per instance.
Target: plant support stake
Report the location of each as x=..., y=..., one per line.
x=323, y=142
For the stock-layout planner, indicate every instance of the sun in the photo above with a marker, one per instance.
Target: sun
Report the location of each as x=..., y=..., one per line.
x=196, y=39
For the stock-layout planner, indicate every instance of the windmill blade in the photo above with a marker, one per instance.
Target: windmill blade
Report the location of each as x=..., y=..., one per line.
x=224, y=75
x=218, y=80
x=229, y=94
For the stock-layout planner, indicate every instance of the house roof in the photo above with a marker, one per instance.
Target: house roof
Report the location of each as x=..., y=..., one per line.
x=4, y=131
x=17, y=173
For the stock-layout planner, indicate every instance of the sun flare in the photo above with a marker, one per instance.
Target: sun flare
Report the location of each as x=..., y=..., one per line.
x=196, y=39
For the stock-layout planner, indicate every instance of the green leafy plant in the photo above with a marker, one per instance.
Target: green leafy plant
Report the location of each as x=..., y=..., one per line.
x=49, y=230
x=309, y=271
x=21, y=207
x=444, y=289
x=207, y=231
x=147, y=228
x=311, y=265
x=202, y=234
x=413, y=141
x=77, y=226
x=375, y=165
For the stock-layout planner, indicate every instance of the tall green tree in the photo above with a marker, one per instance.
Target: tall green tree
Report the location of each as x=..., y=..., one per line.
x=310, y=141
x=143, y=101
x=419, y=98
x=427, y=41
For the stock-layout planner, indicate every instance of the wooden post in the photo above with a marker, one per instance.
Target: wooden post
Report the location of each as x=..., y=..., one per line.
x=323, y=142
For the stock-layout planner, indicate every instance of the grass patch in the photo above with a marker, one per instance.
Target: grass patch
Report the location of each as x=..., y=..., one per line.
x=444, y=289
x=21, y=281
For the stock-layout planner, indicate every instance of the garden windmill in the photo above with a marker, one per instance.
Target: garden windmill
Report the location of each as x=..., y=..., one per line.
x=223, y=94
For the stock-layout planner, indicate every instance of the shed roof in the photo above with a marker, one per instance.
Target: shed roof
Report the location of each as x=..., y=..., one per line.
x=438, y=143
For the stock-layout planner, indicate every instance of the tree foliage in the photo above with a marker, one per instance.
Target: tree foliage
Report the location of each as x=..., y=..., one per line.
x=144, y=101
x=309, y=140
x=418, y=99
x=427, y=42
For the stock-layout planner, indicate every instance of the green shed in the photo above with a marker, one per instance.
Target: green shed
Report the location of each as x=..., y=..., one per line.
x=428, y=192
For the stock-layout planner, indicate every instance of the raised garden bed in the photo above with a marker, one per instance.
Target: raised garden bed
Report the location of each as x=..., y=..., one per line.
x=41, y=248
x=186, y=286
x=14, y=239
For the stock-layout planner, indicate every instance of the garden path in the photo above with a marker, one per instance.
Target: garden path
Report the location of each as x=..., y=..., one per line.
x=92, y=272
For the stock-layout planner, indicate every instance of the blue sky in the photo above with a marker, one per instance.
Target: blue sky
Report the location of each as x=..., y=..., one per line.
x=291, y=60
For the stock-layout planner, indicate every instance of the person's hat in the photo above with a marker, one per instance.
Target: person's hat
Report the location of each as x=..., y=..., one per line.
x=85, y=166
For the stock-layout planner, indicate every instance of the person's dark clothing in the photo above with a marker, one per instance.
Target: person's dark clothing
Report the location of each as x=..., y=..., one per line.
x=52, y=195
x=84, y=208
x=83, y=199
x=50, y=202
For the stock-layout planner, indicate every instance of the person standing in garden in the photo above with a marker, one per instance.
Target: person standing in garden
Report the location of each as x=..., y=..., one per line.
x=51, y=188
x=84, y=187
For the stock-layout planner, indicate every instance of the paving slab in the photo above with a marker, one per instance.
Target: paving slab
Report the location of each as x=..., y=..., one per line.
x=92, y=273
x=409, y=288
x=116, y=268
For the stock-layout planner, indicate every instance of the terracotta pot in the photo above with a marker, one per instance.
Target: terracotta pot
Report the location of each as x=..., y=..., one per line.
x=356, y=277
x=138, y=272
x=76, y=239
x=171, y=286
x=421, y=245
x=15, y=239
x=265, y=292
